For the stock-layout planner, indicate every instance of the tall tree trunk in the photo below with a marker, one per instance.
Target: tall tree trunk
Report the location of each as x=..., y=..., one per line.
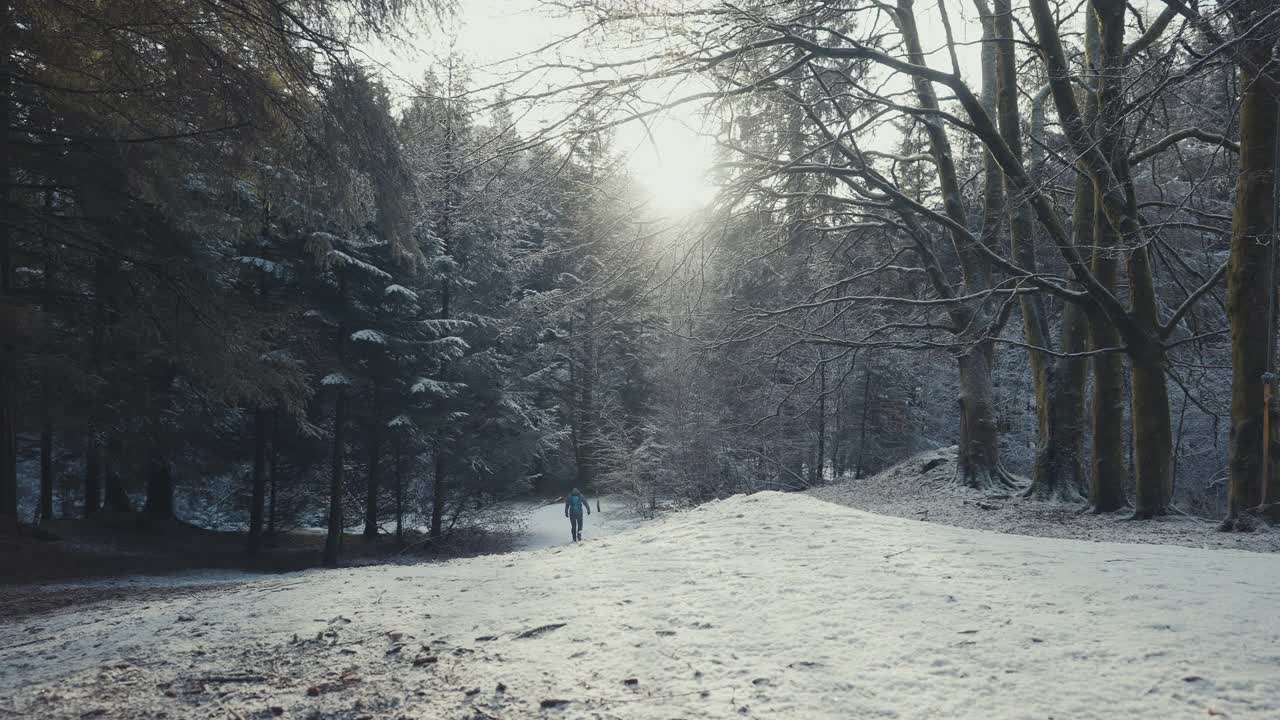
x=92, y=474
x=115, y=491
x=839, y=446
x=978, y=464
x=159, y=505
x=1114, y=199
x=979, y=461
x=1022, y=248
x=1152, y=423
x=586, y=424
x=1250, y=278
x=8, y=323
x=819, y=474
x=1106, y=490
x=65, y=504
x=375, y=474
x=1069, y=481
x=257, y=495
x=1106, y=483
x=47, y=479
x=274, y=458
x=437, y=486
x=46, y=472
x=399, y=471
x=866, y=410
x=333, y=539
x=1152, y=420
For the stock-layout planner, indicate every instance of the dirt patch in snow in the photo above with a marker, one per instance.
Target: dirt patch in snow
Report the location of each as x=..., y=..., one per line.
x=921, y=488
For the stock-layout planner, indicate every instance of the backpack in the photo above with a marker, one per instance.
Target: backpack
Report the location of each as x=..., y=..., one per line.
x=575, y=504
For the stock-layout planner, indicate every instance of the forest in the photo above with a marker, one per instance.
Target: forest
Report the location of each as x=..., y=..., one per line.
x=252, y=281
x=907, y=359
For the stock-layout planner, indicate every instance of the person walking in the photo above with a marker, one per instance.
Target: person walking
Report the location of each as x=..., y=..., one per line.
x=573, y=506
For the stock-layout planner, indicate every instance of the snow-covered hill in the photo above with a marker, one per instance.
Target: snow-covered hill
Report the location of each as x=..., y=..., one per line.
x=771, y=606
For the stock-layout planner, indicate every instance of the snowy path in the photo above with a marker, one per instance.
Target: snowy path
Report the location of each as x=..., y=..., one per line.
x=771, y=606
x=546, y=526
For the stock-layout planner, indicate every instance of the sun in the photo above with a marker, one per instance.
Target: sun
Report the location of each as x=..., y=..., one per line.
x=671, y=160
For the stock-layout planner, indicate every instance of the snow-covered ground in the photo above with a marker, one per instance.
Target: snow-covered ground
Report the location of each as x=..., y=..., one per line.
x=546, y=526
x=770, y=605
x=922, y=488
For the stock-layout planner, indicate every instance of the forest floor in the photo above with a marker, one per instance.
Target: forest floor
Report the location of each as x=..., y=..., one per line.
x=109, y=557
x=769, y=605
x=921, y=488
x=113, y=544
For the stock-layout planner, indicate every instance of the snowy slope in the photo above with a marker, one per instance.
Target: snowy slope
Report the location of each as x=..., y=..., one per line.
x=771, y=605
x=923, y=488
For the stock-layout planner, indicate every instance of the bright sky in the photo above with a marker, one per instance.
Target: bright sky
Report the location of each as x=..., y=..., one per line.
x=669, y=155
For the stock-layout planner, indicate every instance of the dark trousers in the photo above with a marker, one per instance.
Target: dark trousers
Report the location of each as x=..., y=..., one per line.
x=575, y=524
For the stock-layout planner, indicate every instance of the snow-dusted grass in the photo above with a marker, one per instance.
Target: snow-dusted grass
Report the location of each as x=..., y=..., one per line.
x=770, y=606
x=921, y=488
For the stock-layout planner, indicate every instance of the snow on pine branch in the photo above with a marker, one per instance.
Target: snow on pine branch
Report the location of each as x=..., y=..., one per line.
x=402, y=422
x=336, y=379
x=451, y=348
x=437, y=388
x=440, y=326
x=401, y=291
x=280, y=357
x=271, y=268
x=320, y=316
x=370, y=336
x=345, y=260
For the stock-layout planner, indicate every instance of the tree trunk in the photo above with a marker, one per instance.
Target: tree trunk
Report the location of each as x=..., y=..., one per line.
x=46, y=472
x=333, y=540
x=258, y=493
x=978, y=464
x=1022, y=249
x=65, y=504
x=1250, y=280
x=1106, y=484
x=1068, y=481
x=375, y=476
x=1149, y=409
x=8, y=323
x=1152, y=433
x=275, y=465
x=159, y=505
x=47, y=479
x=838, y=445
x=1106, y=491
x=92, y=475
x=399, y=471
x=586, y=414
x=116, y=493
x=437, y=487
x=866, y=410
x=819, y=474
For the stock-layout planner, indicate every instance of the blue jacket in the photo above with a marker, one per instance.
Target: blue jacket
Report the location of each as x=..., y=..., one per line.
x=574, y=503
